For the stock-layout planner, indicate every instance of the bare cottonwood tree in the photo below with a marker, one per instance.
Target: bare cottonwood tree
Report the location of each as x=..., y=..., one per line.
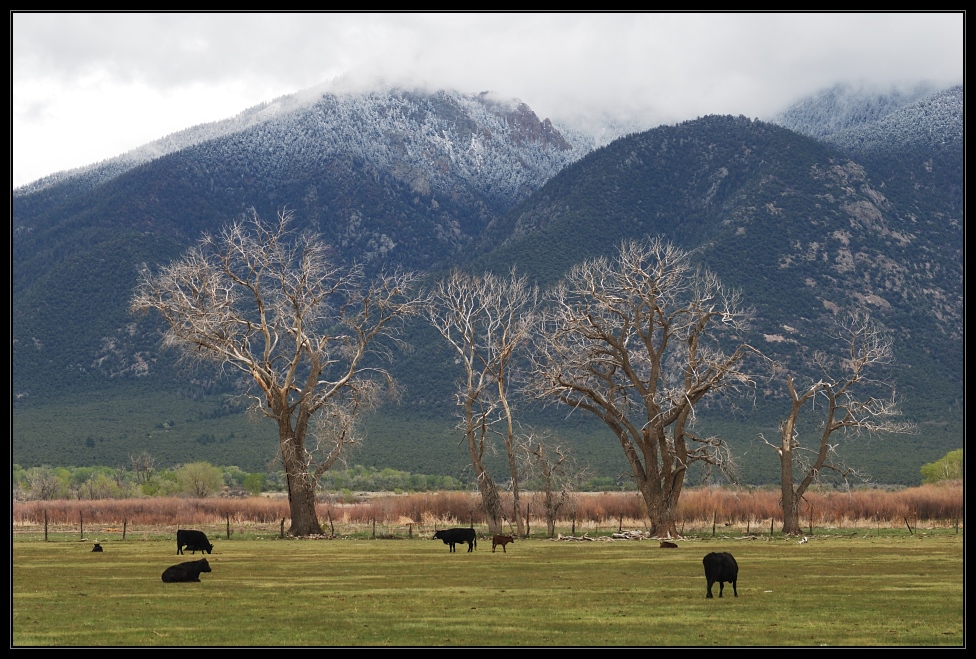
x=277, y=308
x=553, y=470
x=486, y=319
x=843, y=406
x=637, y=341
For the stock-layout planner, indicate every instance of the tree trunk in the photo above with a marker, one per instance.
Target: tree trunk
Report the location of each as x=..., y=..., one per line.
x=492, y=503
x=664, y=524
x=512, y=462
x=789, y=496
x=301, y=489
x=660, y=514
x=301, y=503
x=490, y=500
x=550, y=511
x=660, y=498
x=791, y=513
x=519, y=523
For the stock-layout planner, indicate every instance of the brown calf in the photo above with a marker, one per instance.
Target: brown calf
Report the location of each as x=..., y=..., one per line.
x=500, y=540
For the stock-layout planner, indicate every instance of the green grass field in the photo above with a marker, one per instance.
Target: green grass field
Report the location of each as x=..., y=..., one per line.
x=863, y=590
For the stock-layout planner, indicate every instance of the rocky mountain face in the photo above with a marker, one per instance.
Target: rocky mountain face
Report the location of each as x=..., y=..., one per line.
x=805, y=232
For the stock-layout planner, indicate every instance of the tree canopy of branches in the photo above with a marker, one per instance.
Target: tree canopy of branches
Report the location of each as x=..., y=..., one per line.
x=486, y=320
x=635, y=340
x=301, y=328
x=844, y=405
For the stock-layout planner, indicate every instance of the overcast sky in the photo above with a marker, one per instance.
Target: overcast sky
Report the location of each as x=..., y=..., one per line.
x=88, y=86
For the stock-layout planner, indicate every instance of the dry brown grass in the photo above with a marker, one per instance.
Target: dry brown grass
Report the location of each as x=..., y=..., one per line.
x=698, y=509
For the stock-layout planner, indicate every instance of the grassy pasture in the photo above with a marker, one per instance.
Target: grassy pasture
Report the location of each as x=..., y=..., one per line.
x=860, y=590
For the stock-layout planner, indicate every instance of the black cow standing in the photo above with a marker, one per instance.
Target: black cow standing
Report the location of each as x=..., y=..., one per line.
x=186, y=572
x=456, y=536
x=193, y=540
x=720, y=567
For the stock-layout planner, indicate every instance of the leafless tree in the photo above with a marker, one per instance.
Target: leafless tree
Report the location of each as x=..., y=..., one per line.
x=843, y=406
x=486, y=319
x=637, y=340
x=277, y=308
x=554, y=473
x=144, y=466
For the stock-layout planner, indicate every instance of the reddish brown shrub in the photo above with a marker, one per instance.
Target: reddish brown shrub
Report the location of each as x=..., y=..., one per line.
x=697, y=506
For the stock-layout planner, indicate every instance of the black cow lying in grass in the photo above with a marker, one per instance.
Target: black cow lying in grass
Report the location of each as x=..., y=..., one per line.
x=184, y=572
x=193, y=540
x=456, y=536
x=720, y=567
x=500, y=540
